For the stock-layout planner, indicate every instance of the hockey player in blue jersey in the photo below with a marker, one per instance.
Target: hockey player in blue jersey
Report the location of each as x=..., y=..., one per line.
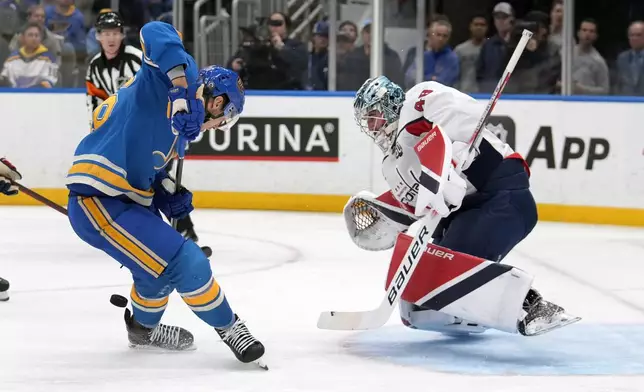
x=118, y=187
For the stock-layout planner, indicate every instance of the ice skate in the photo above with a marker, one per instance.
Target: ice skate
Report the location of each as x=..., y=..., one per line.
x=165, y=337
x=245, y=347
x=4, y=290
x=542, y=316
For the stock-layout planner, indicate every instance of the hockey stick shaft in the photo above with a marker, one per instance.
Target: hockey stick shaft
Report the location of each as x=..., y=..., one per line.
x=475, y=141
x=181, y=152
x=379, y=316
x=37, y=196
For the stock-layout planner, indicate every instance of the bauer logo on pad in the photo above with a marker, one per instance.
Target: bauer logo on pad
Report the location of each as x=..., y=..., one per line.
x=271, y=139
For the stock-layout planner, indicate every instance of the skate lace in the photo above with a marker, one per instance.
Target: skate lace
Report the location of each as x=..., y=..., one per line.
x=238, y=336
x=167, y=334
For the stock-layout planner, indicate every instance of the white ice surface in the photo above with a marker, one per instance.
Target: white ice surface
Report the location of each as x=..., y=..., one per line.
x=279, y=270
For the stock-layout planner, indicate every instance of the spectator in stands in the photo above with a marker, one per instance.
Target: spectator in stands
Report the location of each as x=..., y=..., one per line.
x=22, y=6
x=355, y=69
x=490, y=64
x=273, y=62
x=347, y=36
x=539, y=69
x=350, y=30
x=32, y=65
x=589, y=69
x=4, y=50
x=440, y=63
x=318, y=64
x=345, y=44
x=468, y=54
x=556, y=23
x=9, y=20
x=410, y=57
x=63, y=18
x=630, y=63
x=53, y=42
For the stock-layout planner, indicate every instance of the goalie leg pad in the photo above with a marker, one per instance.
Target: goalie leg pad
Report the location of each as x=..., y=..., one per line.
x=471, y=288
x=416, y=317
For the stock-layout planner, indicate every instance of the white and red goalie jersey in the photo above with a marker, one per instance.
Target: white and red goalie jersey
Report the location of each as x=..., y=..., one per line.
x=454, y=115
x=434, y=130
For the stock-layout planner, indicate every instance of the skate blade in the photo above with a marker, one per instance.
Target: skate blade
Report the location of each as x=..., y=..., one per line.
x=261, y=364
x=154, y=349
x=545, y=328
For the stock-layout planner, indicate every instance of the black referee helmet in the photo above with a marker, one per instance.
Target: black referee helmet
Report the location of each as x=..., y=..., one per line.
x=108, y=20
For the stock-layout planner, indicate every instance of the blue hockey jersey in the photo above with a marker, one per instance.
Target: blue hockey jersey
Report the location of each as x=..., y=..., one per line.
x=131, y=139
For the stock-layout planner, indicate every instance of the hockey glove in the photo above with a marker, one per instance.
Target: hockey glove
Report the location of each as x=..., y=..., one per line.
x=8, y=172
x=188, y=111
x=174, y=205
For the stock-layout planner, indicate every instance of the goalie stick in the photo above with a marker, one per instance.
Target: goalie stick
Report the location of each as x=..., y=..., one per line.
x=377, y=317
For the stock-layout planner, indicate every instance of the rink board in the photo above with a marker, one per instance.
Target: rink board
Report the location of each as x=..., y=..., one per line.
x=302, y=151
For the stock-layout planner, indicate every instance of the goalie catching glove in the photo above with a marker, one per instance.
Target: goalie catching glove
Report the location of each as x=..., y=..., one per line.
x=8, y=173
x=373, y=223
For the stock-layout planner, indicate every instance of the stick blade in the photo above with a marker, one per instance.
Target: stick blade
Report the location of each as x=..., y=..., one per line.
x=350, y=321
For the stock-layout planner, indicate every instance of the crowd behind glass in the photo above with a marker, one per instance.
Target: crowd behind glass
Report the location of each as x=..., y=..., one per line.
x=60, y=34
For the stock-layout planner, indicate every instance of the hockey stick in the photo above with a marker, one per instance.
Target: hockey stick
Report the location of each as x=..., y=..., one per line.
x=181, y=152
x=379, y=316
x=37, y=196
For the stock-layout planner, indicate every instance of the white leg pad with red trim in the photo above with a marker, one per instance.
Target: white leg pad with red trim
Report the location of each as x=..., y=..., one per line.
x=471, y=288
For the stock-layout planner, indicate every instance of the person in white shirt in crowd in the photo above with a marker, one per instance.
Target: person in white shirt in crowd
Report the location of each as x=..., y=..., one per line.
x=556, y=23
x=589, y=69
x=52, y=41
x=33, y=65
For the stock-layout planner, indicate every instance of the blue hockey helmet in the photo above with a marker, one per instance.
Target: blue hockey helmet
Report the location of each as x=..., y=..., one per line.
x=376, y=110
x=220, y=81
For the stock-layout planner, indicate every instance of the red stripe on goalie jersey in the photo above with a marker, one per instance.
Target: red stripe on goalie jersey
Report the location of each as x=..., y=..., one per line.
x=436, y=267
x=419, y=126
x=431, y=148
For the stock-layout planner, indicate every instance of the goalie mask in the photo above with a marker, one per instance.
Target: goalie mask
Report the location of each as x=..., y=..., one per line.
x=376, y=109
